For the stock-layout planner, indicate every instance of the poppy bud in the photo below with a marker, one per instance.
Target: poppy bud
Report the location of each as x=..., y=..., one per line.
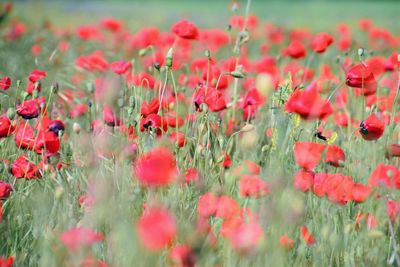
x=372, y=128
x=361, y=52
x=207, y=53
x=238, y=74
x=90, y=87
x=11, y=113
x=76, y=128
x=120, y=102
x=249, y=140
x=247, y=128
x=168, y=62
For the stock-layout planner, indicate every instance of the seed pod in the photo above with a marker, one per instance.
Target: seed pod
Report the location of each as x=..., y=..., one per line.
x=238, y=74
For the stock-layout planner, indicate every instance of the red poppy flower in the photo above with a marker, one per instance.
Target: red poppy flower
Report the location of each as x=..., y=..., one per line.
x=24, y=136
x=361, y=76
x=89, y=261
x=150, y=108
x=339, y=188
x=393, y=209
x=111, y=24
x=227, y=208
x=153, y=121
x=251, y=102
x=30, y=87
x=5, y=190
x=156, y=168
x=387, y=175
x=5, y=83
x=307, y=237
x=252, y=186
x=47, y=141
x=371, y=221
x=334, y=156
x=6, y=262
x=245, y=237
x=80, y=237
x=303, y=180
x=144, y=80
x=295, y=50
x=178, y=138
x=183, y=256
x=29, y=109
x=214, y=99
x=360, y=192
x=308, y=104
x=36, y=75
x=286, y=242
x=185, y=30
x=56, y=126
x=372, y=128
x=192, y=175
x=308, y=154
x=156, y=228
x=5, y=127
x=321, y=42
x=92, y=62
x=23, y=168
x=78, y=110
x=207, y=205
x=120, y=67
x=109, y=117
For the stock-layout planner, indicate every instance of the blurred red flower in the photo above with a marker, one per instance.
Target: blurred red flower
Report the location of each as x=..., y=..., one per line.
x=80, y=237
x=307, y=154
x=307, y=237
x=185, y=30
x=156, y=168
x=156, y=228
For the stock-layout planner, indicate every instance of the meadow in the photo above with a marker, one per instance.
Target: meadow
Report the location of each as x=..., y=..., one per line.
x=199, y=133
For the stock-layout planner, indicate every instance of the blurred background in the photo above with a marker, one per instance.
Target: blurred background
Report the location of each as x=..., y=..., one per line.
x=211, y=13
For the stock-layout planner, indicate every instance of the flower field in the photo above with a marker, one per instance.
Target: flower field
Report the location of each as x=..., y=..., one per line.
x=181, y=139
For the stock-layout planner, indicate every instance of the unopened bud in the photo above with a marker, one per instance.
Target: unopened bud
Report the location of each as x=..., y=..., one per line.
x=90, y=87
x=55, y=87
x=207, y=53
x=11, y=113
x=238, y=74
x=24, y=95
x=247, y=128
x=143, y=51
x=120, y=102
x=361, y=52
x=76, y=128
x=170, y=54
